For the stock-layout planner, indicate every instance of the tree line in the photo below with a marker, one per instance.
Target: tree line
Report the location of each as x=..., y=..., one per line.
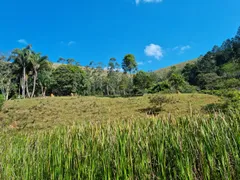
x=27, y=74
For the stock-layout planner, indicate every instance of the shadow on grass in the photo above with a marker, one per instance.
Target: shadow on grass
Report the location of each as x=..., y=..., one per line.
x=121, y=96
x=151, y=110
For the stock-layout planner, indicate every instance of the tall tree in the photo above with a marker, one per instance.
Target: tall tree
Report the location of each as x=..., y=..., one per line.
x=45, y=80
x=21, y=57
x=37, y=62
x=129, y=63
x=112, y=79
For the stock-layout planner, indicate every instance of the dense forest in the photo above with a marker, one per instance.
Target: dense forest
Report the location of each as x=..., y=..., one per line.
x=27, y=74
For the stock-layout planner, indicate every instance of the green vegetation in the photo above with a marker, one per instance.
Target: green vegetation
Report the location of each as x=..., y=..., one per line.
x=186, y=148
x=2, y=99
x=218, y=69
x=47, y=113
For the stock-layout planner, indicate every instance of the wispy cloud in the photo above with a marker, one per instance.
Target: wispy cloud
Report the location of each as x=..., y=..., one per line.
x=150, y=61
x=22, y=41
x=182, y=49
x=154, y=50
x=140, y=63
x=70, y=43
x=147, y=1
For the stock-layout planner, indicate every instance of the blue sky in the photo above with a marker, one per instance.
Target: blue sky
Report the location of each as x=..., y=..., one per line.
x=158, y=32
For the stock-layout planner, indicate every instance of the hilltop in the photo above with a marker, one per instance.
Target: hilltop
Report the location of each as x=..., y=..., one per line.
x=163, y=71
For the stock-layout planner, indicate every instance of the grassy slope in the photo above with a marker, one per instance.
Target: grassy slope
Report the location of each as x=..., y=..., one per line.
x=179, y=67
x=51, y=112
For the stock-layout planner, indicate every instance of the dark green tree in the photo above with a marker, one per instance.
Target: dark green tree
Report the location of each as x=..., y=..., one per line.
x=141, y=81
x=129, y=63
x=68, y=79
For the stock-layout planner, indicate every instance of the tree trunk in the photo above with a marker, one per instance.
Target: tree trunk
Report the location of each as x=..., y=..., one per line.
x=41, y=88
x=107, y=91
x=19, y=92
x=8, y=89
x=28, y=94
x=44, y=91
x=34, y=82
x=24, y=82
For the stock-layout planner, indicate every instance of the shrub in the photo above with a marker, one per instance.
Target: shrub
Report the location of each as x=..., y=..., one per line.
x=159, y=100
x=187, y=88
x=232, y=101
x=161, y=86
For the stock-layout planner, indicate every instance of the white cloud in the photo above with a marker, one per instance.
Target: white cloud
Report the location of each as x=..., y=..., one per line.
x=154, y=51
x=181, y=49
x=140, y=63
x=22, y=41
x=71, y=43
x=148, y=1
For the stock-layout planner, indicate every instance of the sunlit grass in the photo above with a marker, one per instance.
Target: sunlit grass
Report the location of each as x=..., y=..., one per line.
x=47, y=113
x=186, y=148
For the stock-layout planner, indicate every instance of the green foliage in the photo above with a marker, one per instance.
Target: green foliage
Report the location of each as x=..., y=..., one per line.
x=2, y=99
x=161, y=86
x=142, y=80
x=190, y=73
x=208, y=80
x=129, y=63
x=231, y=101
x=187, y=88
x=231, y=83
x=68, y=79
x=217, y=66
x=176, y=81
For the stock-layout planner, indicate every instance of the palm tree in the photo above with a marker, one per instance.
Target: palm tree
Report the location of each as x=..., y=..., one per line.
x=21, y=57
x=37, y=62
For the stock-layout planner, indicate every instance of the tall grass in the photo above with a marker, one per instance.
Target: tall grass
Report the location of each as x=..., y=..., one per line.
x=188, y=148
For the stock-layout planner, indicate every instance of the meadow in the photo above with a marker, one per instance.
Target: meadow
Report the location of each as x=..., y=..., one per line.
x=49, y=113
x=116, y=138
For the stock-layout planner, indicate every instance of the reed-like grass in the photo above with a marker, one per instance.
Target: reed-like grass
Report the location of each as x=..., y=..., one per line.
x=186, y=148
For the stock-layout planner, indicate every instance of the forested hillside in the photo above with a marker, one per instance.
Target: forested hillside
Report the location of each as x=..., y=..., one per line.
x=218, y=68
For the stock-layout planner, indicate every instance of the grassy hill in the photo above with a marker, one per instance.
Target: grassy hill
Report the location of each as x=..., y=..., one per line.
x=130, y=144
x=47, y=113
x=163, y=71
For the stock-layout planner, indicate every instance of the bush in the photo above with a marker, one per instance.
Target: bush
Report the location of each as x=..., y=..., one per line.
x=1, y=101
x=187, y=88
x=161, y=86
x=159, y=100
x=232, y=101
